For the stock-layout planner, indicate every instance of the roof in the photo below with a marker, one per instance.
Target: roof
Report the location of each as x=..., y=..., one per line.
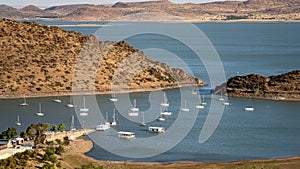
x=156, y=128
x=125, y=132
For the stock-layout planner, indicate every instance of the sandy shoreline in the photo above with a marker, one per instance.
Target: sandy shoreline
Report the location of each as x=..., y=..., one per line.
x=79, y=147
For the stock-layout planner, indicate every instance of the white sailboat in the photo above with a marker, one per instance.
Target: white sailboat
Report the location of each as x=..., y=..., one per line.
x=185, y=109
x=24, y=102
x=221, y=98
x=134, y=111
x=70, y=104
x=134, y=108
x=160, y=118
x=18, y=123
x=165, y=101
x=113, y=98
x=143, y=120
x=249, y=108
x=200, y=105
x=105, y=126
x=194, y=92
x=84, y=110
x=165, y=112
x=226, y=103
x=72, y=128
x=40, y=113
x=203, y=101
x=57, y=100
x=114, y=122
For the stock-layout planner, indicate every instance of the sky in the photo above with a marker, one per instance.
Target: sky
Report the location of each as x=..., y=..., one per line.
x=49, y=3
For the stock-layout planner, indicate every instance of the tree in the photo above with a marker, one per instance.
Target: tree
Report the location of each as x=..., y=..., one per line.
x=62, y=127
x=39, y=133
x=9, y=133
x=53, y=128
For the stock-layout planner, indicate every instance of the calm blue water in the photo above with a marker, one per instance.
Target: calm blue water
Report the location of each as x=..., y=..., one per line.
x=272, y=130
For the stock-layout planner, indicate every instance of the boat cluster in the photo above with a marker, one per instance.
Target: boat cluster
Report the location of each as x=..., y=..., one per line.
x=39, y=112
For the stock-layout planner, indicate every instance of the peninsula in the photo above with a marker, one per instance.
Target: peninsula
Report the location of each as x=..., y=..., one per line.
x=280, y=87
x=40, y=60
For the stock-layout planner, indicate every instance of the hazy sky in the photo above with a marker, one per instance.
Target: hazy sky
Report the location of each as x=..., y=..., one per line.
x=48, y=3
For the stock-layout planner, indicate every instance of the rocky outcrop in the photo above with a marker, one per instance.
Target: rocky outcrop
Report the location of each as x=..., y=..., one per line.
x=284, y=86
x=39, y=58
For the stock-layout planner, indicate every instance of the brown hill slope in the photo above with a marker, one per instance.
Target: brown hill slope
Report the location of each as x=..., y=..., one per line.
x=284, y=86
x=39, y=58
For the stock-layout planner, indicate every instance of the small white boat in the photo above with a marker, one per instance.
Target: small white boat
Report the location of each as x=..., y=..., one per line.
x=226, y=103
x=114, y=122
x=126, y=135
x=143, y=122
x=113, y=98
x=133, y=113
x=18, y=123
x=185, y=109
x=40, y=113
x=84, y=110
x=70, y=105
x=24, y=102
x=221, y=98
x=165, y=101
x=166, y=112
x=200, y=105
x=57, y=100
x=160, y=118
x=156, y=129
x=72, y=128
x=102, y=127
x=203, y=102
x=249, y=108
x=194, y=92
x=134, y=108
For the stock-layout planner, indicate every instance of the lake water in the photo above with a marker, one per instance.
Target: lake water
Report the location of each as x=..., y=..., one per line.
x=272, y=130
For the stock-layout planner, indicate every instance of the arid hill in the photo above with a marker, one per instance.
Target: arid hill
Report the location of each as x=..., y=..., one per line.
x=39, y=58
x=249, y=10
x=284, y=86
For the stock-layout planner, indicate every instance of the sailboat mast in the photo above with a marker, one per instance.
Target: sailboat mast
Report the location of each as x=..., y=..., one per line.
x=72, y=123
x=114, y=115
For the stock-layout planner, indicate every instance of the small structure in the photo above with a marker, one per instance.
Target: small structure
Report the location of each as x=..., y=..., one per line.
x=156, y=129
x=17, y=141
x=126, y=135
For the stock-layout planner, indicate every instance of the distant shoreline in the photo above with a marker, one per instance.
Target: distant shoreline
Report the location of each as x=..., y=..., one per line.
x=15, y=95
x=159, y=21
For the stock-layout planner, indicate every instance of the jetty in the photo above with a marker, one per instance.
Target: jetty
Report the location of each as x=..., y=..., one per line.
x=72, y=134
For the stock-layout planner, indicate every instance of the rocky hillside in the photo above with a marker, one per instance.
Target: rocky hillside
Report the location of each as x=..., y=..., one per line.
x=249, y=10
x=284, y=86
x=39, y=58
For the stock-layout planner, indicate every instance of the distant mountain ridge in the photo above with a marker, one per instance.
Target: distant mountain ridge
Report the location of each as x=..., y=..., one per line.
x=251, y=10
